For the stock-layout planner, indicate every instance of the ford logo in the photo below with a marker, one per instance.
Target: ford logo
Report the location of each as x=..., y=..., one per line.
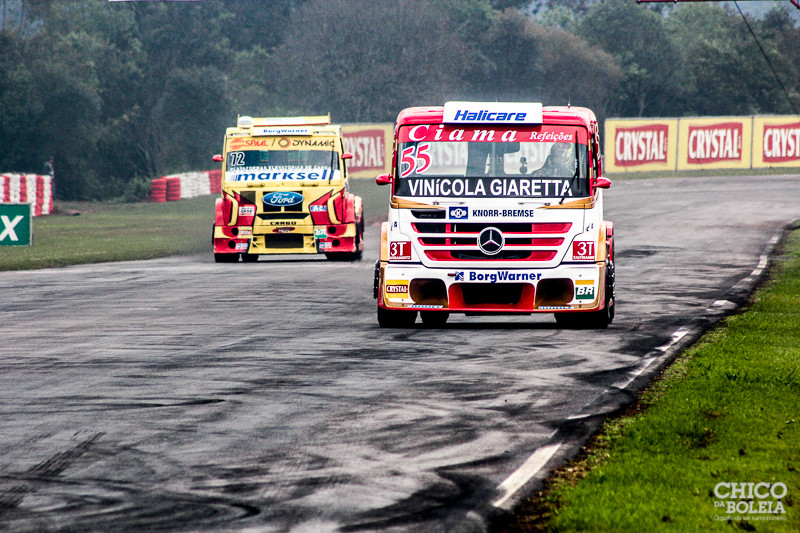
x=283, y=199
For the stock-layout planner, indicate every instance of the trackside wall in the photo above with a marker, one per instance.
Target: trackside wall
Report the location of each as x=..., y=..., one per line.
x=636, y=145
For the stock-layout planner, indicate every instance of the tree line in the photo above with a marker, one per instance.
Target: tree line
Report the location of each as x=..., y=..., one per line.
x=120, y=92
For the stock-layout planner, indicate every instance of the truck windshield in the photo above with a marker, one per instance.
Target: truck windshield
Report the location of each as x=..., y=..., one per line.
x=282, y=165
x=525, y=165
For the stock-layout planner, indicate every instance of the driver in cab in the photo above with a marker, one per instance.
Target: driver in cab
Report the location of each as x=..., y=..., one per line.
x=560, y=163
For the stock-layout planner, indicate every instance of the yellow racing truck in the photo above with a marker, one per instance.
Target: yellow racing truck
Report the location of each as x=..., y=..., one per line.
x=285, y=191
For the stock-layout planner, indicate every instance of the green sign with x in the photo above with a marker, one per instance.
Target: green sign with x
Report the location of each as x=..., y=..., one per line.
x=15, y=225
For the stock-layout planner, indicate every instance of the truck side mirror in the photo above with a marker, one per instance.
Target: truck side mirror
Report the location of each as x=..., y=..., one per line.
x=218, y=158
x=347, y=155
x=602, y=183
x=384, y=179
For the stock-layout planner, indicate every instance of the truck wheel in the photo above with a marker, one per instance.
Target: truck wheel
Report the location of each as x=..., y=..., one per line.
x=601, y=319
x=376, y=280
x=389, y=318
x=595, y=319
x=359, y=239
x=434, y=319
x=342, y=256
x=226, y=258
x=249, y=258
x=568, y=320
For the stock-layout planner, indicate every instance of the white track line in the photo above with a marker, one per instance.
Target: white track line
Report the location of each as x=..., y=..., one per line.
x=534, y=464
x=524, y=473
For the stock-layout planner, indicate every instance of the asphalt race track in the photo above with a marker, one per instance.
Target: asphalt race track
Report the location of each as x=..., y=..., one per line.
x=184, y=395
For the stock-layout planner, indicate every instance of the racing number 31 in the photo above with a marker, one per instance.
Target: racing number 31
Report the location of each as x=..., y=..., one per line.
x=414, y=159
x=582, y=250
x=400, y=250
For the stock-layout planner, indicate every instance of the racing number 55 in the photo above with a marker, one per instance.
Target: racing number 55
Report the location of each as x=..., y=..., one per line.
x=415, y=159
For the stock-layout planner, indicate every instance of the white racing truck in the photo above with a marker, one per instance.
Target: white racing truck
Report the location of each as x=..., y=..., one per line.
x=496, y=208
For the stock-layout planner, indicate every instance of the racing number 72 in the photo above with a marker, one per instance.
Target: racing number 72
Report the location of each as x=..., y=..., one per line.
x=415, y=158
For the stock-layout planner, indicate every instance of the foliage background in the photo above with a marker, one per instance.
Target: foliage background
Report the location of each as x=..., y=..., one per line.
x=120, y=92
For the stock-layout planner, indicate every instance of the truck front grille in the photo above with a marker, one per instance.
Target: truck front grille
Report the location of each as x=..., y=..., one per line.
x=283, y=240
x=458, y=241
x=282, y=209
x=283, y=216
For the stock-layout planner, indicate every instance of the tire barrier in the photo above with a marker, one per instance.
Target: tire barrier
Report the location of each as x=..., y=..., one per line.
x=28, y=188
x=215, y=181
x=158, y=190
x=186, y=185
x=194, y=184
x=173, y=188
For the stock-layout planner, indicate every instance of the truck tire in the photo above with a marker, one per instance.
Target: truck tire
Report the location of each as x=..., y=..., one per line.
x=594, y=319
x=434, y=319
x=601, y=319
x=568, y=320
x=343, y=256
x=226, y=258
x=390, y=318
x=376, y=280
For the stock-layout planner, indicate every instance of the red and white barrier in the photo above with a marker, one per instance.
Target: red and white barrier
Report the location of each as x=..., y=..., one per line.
x=186, y=185
x=215, y=181
x=28, y=188
x=158, y=190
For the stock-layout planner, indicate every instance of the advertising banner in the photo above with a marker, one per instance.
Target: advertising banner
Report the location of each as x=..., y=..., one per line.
x=776, y=142
x=634, y=145
x=714, y=142
x=371, y=146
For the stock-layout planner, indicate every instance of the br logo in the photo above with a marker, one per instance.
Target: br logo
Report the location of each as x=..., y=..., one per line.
x=584, y=292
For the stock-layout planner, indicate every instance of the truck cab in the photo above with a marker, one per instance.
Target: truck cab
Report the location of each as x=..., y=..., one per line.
x=495, y=208
x=285, y=191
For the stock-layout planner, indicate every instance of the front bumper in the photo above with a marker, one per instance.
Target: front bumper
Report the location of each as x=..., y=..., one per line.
x=285, y=239
x=568, y=287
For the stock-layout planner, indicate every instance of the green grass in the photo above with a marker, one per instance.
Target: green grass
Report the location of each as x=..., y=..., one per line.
x=728, y=410
x=114, y=232
x=90, y=232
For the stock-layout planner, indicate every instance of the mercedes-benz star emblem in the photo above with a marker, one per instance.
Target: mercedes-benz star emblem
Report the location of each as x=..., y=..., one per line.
x=491, y=241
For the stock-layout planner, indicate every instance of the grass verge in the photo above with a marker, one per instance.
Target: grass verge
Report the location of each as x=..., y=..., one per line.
x=90, y=232
x=727, y=411
x=84, y=232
